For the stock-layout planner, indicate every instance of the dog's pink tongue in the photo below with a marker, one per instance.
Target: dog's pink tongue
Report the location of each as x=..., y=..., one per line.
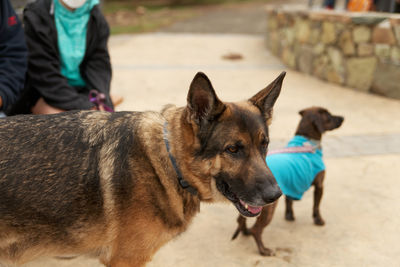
x=254, y=210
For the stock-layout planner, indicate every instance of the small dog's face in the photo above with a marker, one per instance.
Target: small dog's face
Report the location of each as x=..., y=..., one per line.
x=321, y=119
x=231, y=145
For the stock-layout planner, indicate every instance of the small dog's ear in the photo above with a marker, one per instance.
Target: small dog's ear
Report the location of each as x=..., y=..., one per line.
x=317, y=121
x=301, y=112
x=202, y=102
x=266, y=98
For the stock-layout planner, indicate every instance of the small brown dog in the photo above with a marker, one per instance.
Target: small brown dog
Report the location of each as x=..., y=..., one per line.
x=296, y=170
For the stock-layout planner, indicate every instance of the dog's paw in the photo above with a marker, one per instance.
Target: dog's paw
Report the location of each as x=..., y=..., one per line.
x=319, y=221
x=289, y=217
x=266, y=251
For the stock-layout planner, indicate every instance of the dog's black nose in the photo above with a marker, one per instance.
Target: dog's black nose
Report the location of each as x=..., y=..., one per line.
x=272, y=193
x=339, y=120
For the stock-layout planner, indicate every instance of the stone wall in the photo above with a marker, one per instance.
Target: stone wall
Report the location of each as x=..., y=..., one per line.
x=358, y=50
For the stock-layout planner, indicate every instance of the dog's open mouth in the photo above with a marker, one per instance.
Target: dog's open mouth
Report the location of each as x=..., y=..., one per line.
x=244, y=208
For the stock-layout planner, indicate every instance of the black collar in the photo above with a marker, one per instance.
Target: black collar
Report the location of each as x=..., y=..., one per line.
x=182, y=182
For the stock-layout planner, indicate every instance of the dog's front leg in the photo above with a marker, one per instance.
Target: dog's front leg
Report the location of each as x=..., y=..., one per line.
x=318, y=191
x=262, y=221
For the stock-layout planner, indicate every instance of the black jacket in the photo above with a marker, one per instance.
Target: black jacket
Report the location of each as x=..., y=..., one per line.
x=13, y=55
x=44, y=78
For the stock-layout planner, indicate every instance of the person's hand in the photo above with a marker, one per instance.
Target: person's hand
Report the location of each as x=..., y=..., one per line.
x=41, y=107
x=101, y=108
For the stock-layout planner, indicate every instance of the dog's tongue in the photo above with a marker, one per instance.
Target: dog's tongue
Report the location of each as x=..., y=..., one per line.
x=252, y=209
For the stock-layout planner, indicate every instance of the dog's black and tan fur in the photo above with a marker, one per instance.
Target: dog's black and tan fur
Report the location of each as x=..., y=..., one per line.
x=103, y=184
x=315, y=121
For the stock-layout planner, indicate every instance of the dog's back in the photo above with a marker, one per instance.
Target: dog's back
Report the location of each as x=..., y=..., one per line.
x=67, y=186
x=295, y=172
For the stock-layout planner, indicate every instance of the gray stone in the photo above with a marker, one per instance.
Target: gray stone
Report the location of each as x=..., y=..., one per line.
x=360, y=72
x=328, y=32
x=382, y=51
x=365, y=50
x=367, y=19
x=346, y=43
x=386, y=80
x=305, y=59
x=361, y=34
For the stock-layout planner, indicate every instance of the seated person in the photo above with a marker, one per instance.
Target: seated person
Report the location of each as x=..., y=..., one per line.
x=68, y=57
x=13, y=56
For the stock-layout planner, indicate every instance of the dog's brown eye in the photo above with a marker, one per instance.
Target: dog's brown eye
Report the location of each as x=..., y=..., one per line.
x=232, y=149
x=264, y=142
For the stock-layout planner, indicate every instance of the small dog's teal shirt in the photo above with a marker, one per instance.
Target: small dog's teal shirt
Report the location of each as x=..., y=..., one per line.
x=295, y=172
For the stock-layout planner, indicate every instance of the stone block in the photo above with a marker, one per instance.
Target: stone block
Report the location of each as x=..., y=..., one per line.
x=386, y=80
x=289, y=35
x=318, y=49
x=305, y=59
x=288, y=57
x=346, y=43
x=361, y=34
x=319, y=66
x=324, y=15
x=315, y=36
x=274, y=43
x=382, y=51
x=367, y=18
x=303, y=30
x=395, y=22
x=336, y=59
x=328, y=32
x=360, y=72
x=395, y=55
x=332, y=75
x=383, y=34
x=272, y=22
x=365, y=50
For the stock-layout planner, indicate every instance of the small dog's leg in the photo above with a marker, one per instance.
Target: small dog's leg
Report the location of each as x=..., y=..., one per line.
x=318, y=191
x=262, y=221
x=242, y=227
x=289, y=215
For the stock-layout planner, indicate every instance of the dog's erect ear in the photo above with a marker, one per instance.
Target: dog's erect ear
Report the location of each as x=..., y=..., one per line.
x=266, y=98
x=202, y=101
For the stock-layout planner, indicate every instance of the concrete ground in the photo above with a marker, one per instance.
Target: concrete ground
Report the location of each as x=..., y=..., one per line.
x=362, y=189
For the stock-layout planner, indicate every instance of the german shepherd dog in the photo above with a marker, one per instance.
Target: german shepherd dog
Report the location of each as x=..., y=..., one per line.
x=296, y=172
x=117, y=186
